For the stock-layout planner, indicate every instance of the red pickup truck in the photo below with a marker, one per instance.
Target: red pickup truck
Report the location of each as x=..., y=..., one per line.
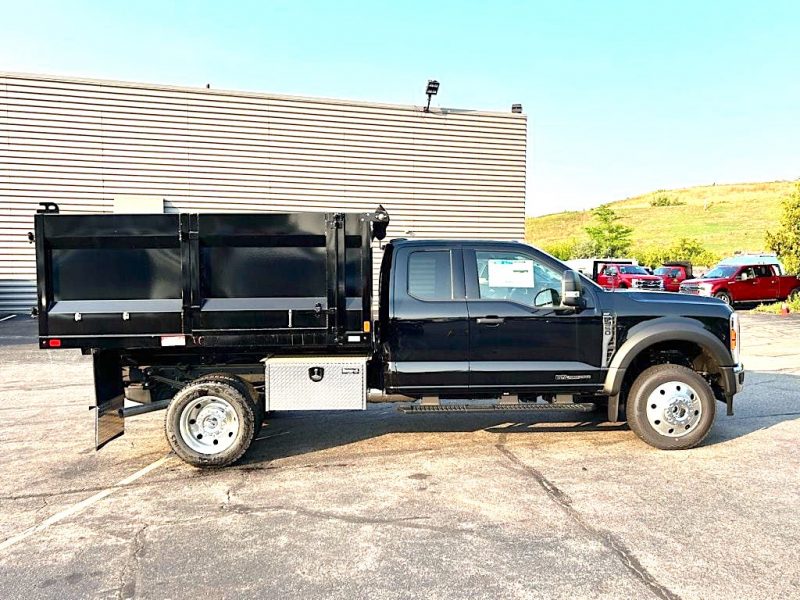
x=744, y=283
x=673, y=273
x=612, y=276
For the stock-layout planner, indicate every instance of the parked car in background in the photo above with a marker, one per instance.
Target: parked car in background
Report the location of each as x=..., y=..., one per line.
x=673, y=273
x=625, y=276
x=744, y=283
x=745, y=260
x=591, y=267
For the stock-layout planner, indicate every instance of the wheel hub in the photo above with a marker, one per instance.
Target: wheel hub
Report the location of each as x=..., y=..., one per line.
x=209, y=425
x=674, y=409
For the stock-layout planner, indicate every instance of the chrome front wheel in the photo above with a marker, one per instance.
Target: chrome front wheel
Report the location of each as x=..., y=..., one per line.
x=674, y=409
x=670, y=407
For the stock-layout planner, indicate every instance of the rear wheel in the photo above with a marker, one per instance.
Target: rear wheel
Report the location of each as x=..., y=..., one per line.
x=794, y=295
x=210, y=423
x=245, y=387
x=725, y=297
x=671, y=407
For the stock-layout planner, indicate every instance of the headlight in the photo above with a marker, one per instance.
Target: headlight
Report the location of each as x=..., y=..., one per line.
x=735, y=338
x=635, y=281
x=705, y=288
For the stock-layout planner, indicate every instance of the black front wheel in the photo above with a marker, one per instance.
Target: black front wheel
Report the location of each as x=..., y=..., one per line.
x=671, y=407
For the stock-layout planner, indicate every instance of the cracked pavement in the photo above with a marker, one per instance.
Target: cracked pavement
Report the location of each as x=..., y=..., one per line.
x=383, y=505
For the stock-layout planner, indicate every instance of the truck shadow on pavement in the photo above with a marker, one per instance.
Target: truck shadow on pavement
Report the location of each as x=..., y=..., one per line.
x=769, y=399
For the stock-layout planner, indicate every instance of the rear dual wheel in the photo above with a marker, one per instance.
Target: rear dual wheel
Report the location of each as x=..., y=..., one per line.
x=212, y=421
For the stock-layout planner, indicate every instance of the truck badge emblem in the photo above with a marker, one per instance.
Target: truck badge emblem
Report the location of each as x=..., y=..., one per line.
x=316, y=373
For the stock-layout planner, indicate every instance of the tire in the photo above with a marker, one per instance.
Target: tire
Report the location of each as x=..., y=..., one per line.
x=794, y=295
x=670, y=407
x=245, y=388
x=725, y=297
x=210, y=423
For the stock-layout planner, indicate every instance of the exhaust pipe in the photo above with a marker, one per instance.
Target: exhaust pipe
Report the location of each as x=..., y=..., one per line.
x=132, y=411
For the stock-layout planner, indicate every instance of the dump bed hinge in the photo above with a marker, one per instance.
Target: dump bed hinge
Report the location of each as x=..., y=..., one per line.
x=336, y=221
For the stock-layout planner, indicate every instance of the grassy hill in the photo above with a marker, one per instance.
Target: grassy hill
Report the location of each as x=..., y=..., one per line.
x=724, y=218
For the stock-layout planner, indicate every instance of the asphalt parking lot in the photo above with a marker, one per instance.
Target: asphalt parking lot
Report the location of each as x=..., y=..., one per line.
x=382, y=505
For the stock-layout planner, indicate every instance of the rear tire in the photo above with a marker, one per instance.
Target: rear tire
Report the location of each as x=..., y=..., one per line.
x=245, y=387
x=210, y=423
x=794, y=295
x=671, y=407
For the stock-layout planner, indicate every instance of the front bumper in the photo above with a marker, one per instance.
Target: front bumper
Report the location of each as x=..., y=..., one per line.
x=732, y=381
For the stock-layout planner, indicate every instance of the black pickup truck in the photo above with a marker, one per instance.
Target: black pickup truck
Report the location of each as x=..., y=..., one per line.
x=222, y=319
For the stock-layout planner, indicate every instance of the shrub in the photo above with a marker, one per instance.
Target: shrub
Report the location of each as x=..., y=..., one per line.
x=562, y=250
x=684, y=249
x=665, y=200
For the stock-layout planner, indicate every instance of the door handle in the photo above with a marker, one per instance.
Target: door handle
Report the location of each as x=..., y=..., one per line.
x=490, y=321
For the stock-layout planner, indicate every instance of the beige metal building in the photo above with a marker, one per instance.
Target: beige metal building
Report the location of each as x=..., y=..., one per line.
x=90, y=145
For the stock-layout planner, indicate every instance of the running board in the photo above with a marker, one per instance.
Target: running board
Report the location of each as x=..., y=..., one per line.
x=522, y=407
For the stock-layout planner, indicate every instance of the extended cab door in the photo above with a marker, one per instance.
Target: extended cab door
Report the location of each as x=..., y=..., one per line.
x=521, y=338
x=427, y=339
x=767, y=283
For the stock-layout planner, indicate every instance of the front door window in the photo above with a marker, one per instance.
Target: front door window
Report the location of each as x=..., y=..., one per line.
x=517, y=278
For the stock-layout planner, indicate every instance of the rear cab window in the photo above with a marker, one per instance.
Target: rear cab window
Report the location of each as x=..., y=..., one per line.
x=430, y=275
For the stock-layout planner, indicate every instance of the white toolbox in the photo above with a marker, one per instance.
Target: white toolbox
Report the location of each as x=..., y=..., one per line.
x=316, y=383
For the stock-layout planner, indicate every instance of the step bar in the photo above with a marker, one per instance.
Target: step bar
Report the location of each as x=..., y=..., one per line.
x=499, y=407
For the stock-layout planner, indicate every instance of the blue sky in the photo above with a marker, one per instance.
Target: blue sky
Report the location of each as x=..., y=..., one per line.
x=622, y=97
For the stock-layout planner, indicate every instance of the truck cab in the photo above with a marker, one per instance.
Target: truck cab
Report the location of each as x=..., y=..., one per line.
x=624, y=276
x=673, y=273
x=484, y=318
x=745, y=283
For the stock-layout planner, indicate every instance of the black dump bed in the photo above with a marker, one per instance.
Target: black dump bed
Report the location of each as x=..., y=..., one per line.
x=205, y=280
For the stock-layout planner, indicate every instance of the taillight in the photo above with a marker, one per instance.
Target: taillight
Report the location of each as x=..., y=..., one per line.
x=54, y=343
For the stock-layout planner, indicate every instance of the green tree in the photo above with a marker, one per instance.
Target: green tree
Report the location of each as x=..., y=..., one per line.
x=610, y=237
x=785, y=241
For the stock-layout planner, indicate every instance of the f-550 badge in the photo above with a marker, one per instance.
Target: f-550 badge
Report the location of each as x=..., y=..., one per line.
x=562, y=377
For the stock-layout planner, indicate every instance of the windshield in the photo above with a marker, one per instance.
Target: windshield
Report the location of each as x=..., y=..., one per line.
x=632, y=270
x=662, y=271
x=720, y=273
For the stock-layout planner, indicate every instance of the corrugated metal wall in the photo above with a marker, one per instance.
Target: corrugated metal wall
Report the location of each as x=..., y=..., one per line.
x=81, y=143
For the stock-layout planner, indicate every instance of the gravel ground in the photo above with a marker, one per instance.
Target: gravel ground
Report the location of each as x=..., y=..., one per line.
x=382, y=505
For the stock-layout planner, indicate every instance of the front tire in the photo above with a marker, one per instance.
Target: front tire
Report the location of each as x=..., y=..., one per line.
x=671, y=407
x=725, y=297
x=210, y=423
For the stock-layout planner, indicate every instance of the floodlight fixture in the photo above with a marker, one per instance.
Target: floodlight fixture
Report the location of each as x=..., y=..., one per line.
x=516, y=108
x=431, y=90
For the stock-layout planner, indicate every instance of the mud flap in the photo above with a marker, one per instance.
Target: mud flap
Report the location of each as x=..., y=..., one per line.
x=109, y=397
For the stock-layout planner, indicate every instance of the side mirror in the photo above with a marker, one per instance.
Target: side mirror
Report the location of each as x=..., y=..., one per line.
x=571, y=290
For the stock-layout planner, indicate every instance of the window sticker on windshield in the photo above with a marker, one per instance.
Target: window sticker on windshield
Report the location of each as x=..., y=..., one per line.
x=516, y=273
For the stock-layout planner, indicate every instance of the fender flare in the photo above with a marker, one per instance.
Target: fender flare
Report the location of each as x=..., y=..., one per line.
x=664, y=329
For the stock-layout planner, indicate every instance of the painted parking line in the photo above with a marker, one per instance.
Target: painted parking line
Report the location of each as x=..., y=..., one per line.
x=7, y=318
x=80, y=506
